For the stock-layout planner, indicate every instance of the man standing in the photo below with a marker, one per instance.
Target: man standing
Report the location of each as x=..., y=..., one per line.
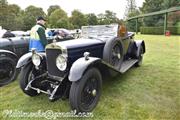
x=37, y=35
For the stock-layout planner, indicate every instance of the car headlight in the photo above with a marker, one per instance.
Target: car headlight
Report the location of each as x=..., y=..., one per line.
x=61, y=62
x=36, y=59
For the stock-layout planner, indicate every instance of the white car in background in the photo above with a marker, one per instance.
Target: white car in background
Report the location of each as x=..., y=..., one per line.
x=20, y=33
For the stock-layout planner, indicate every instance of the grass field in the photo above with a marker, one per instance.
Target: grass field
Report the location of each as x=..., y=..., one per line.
x=150, y=92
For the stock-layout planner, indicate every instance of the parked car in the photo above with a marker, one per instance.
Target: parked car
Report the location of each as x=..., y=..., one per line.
x=11, y=49
x=20, y=33
x=8, y=34
x=75, y=68
x=61, y=34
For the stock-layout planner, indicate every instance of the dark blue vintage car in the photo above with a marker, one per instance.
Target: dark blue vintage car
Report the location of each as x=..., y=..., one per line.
x=11, y=49
x=75, y=68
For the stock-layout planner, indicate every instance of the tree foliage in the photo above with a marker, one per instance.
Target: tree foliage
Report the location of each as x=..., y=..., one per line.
x=92, y=19
x=131, y=11
x=3, y=2
x=52, y=8
x=78, y=19
x=30, y=15
x=108, y=18
x=12, y=17
x=58, y=19
x=156, y=5
x=170, y=3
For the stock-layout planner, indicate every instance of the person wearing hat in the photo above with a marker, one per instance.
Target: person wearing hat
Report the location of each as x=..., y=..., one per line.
x=37, y=36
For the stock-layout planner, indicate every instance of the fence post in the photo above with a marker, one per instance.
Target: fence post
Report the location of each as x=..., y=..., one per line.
x=136, y=25
x=165, y=22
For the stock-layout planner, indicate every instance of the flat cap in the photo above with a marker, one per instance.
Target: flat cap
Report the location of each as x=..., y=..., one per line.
x=40, y=18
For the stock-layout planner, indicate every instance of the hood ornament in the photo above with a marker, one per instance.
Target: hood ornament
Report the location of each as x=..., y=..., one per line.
x=54, y=43
x=86, y=55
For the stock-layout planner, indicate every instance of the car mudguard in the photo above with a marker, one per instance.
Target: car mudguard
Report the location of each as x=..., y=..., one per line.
x=25, y=59
x=80, y=66
x=8, y=54
x=140, y=43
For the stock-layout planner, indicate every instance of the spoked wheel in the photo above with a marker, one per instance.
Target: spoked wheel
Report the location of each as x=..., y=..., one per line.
x=116, y=56
x=113, y=53
x=140, y=57
x=85, y=93
x=89, y=92
x=8, y=71
x=27, y=74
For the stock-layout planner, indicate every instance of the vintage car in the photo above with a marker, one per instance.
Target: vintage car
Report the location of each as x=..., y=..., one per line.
x=75, y=68
x=21, y=33
x=11, y=49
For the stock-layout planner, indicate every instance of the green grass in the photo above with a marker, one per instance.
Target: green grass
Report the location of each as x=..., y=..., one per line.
x=150, y=92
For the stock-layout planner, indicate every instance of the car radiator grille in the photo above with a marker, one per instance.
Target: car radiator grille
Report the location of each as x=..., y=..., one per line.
x=51, y=55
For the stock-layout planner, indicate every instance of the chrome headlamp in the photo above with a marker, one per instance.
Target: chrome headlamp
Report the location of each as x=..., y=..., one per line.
x=61, y=62
x=36, y=58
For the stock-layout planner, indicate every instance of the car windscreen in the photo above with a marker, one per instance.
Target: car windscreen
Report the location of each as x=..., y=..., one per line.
x=99, y=31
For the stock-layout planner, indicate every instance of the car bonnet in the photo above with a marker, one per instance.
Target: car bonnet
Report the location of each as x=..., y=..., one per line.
x=79, y=43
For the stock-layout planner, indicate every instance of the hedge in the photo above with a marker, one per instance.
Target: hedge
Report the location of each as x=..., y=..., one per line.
x=159, y=30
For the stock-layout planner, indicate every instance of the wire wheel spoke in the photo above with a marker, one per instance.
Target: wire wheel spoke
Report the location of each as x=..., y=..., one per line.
x=7, y=71
x=116, y=55
x=89, y=92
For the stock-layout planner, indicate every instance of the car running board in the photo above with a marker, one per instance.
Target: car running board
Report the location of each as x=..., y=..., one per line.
x=127, y=64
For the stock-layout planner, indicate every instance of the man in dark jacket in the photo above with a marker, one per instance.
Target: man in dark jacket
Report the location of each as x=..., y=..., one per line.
x=37, y=36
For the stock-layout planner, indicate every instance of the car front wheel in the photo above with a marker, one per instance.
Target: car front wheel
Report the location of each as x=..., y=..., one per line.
x=26, y=75
x=85, y=93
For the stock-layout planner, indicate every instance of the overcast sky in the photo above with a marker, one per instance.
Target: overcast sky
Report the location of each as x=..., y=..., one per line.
x=85, y=6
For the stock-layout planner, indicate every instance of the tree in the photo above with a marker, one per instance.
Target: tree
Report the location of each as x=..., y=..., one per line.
x=78, y=19
x=17, y=22
x=30, y=15
x=131, y=25
x=101, y=19
x=63, y=23
x=173, y=19
x=92, y=19
x=170, y=3
x=52, y=8
x=3, y=2
x=58, y=19
x=9, y=15
x=152, y=6
x=108, y=18
x=3, y=15
x=14, y=9
x=131, y=9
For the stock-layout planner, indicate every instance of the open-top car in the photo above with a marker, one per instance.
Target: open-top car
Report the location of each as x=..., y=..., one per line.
x=75, y=68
